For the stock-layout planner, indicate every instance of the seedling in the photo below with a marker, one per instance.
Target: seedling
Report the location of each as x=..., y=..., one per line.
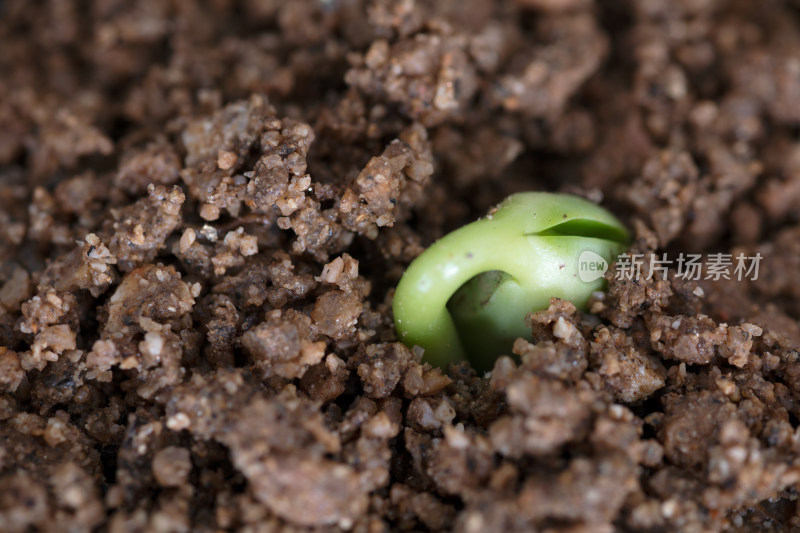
x=468, y=294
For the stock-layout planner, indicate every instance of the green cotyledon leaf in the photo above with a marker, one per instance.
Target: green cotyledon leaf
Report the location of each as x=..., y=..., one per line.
x=467, y=295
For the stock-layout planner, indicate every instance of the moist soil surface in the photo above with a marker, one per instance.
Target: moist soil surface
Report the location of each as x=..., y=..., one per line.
x=205, y=208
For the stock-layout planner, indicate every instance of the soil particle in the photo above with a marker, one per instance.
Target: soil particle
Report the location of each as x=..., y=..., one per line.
x=428, y=75
x=335, y=314
x=546, y=415
x=632, y=375
x=140, y=230
x=155, y=163
x=283, y=344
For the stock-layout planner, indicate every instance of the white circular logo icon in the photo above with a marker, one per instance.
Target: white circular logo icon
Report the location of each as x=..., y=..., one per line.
x=591, y=266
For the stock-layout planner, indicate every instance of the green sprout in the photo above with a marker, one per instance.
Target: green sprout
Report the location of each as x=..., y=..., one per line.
x=467, y=295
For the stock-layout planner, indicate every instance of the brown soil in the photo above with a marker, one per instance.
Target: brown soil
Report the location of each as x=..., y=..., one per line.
x=205, y=206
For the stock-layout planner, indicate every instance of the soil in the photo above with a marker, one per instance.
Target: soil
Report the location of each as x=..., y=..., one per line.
x=205, y=207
